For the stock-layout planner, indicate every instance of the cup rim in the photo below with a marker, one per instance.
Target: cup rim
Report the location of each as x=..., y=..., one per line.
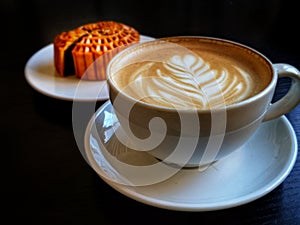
x=242, y=103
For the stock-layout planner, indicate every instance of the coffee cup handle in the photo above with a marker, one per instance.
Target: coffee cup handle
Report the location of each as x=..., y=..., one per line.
x=292, y=97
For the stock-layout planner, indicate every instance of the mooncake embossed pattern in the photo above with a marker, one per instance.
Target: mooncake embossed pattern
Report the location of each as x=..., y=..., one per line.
x=86, y=50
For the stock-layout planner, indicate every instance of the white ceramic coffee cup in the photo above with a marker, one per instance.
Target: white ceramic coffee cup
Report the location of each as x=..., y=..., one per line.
x=197, y=137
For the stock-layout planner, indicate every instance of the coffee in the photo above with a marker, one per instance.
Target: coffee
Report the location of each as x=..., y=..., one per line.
x=191, y=72
x=149, y=82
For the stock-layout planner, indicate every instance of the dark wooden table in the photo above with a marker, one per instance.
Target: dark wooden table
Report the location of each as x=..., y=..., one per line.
x=47, y=181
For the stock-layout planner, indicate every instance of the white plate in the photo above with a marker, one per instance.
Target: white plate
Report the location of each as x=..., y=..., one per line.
x=41, y=75
x=244, y=176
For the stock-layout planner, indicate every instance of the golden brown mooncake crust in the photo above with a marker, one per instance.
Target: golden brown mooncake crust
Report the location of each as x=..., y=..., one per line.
x=94, y=43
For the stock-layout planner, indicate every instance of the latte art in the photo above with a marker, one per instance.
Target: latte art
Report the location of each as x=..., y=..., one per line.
x=186, y=81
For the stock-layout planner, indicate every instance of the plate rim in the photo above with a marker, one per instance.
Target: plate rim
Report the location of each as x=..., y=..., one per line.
x=238, y=201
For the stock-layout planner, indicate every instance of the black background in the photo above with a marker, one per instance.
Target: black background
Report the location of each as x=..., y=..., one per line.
x=45, y=178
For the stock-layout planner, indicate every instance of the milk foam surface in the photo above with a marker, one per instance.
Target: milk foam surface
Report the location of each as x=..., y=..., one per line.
x=188, y=80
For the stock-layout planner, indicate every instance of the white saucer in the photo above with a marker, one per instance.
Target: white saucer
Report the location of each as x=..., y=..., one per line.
x=41, y=75
x=244, y=176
